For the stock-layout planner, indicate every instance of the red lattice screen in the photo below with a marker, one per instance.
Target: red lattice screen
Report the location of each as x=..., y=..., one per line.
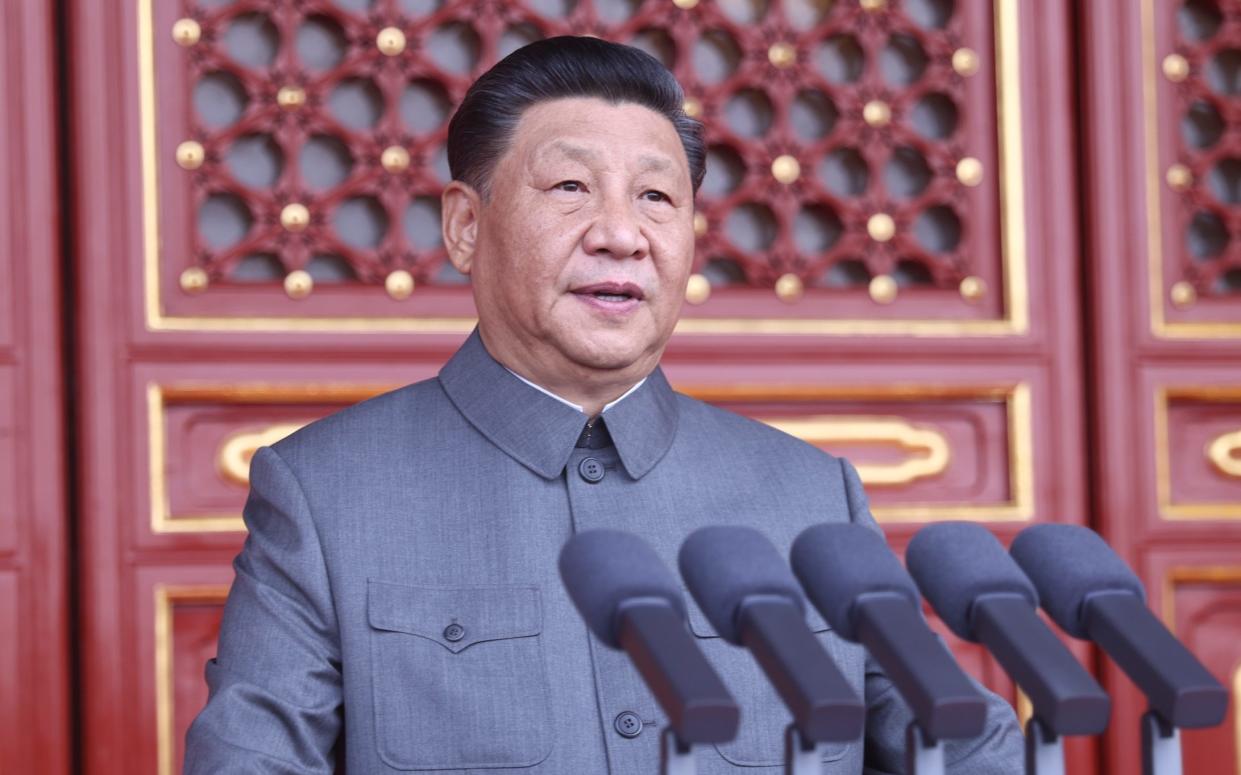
x=297, y=147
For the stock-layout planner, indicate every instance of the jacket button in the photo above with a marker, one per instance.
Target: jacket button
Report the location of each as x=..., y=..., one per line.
x=628, y=724
x=454, y=633
x=591, y=470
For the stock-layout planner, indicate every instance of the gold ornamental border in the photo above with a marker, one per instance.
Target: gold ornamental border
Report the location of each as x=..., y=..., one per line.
x=1016, y=397
x=1186, y=510
x=1161, y=327
x=167, y=595
x=158, y=397
x=1015, y=321
x=1227, y=574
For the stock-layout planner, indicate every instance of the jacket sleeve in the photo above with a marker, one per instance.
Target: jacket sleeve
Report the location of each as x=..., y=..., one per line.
x=274, y=702
x=1000, y=748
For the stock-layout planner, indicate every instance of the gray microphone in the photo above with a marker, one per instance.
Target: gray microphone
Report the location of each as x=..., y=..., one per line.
x=745, y=588
x=863, y=592
x=984, y=597
x=1092, y=594
x=631, y=601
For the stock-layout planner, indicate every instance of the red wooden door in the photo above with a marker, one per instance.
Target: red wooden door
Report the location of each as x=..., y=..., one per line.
x=1162, y=140
x=34, y=604
x=887, y=266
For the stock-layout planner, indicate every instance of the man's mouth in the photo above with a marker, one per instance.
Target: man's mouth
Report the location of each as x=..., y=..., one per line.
x=611, y=292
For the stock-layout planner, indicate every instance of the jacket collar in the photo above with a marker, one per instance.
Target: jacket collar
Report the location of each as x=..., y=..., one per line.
x=540, y=432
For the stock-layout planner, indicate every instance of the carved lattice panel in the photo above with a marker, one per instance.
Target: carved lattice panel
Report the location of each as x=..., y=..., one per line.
x=294, y=154
x=1195, y=177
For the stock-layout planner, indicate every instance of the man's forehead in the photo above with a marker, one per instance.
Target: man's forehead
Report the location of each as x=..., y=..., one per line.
x=592, y=153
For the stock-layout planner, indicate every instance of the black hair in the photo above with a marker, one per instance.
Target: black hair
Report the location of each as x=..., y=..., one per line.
x=555, y=68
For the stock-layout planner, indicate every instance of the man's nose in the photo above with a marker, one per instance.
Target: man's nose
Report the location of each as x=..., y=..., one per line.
x=616, y=231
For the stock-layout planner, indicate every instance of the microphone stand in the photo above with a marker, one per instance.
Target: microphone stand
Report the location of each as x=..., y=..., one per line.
x=676, y=757
x=1161, y=745
x=800, y=756
x=924, y=755
x=1044, y=749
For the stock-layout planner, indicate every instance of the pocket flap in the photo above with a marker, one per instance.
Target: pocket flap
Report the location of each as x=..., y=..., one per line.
x=454, y=617
x=701, y=626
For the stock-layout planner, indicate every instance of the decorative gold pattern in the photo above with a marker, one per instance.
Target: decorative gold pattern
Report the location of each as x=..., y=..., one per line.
x=1179, y=177
x=1020, y=438
x=186, y=32
x=969, y=171
x=295, y=216
x=698, y=289
x=1015, y=319
x=782, y=54
x=190, y=155
x=233, y=458
x=1183, y=510
x=881, y=227
x=882, y=289
x=298, y=284
x=933, y=447
x=1175, y=67
x=872, y=5
x=1222, y=452
x=700, y=224
x=158, y=396
x=394, y=158
x=399, y=284
x=789, y=288
x=876, y=113
x=391, y=41
x=165, y=597
x=1160, y=326
x=692, y=107
x=785, y=168
x=1183, y=294
x=973, y=288
x=965, y=61
x=685, y=5
x=291, y=97
x=194, y=280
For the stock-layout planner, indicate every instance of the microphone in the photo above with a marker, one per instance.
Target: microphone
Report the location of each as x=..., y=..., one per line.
x=863, y=592
x=983, y=597
x=1092, y=594
x=746, y=590
x=632, y=602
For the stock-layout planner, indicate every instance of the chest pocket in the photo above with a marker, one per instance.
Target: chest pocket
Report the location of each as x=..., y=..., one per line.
x=459, y=676
x=764, y=717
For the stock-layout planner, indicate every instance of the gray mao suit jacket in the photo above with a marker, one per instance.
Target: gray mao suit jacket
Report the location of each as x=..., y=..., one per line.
x=397, y=605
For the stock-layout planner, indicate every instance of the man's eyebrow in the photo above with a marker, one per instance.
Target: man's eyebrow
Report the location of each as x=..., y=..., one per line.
x=653, y=163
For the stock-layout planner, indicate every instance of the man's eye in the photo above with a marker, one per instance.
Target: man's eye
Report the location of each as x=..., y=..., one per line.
x=655, y=196
x=569, y=185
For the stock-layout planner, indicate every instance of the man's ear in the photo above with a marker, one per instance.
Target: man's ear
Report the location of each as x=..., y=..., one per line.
x=461, y=207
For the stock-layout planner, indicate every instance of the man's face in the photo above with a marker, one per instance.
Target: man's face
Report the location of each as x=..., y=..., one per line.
x=584, y=248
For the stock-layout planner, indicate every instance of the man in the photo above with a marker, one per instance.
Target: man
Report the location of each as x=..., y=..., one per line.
x=397, y=606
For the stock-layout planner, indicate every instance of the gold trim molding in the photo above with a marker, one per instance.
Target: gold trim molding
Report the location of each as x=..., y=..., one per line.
x=158, y=396
x=233, y=457
x=1221, y=451
x=1161, y=327
x=165, y=596
x=1014, y=270
x=1189, y=510
x=888, y=431
x=1017, y=398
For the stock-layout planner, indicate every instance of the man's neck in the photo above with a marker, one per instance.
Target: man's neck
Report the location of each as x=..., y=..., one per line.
x=590, y=395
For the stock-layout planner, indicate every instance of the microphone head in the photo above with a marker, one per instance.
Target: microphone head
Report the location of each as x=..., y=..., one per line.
x=724, y=565
x=1068, y=564
x=601, y=569
x=955, y=563
x=839, y=562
